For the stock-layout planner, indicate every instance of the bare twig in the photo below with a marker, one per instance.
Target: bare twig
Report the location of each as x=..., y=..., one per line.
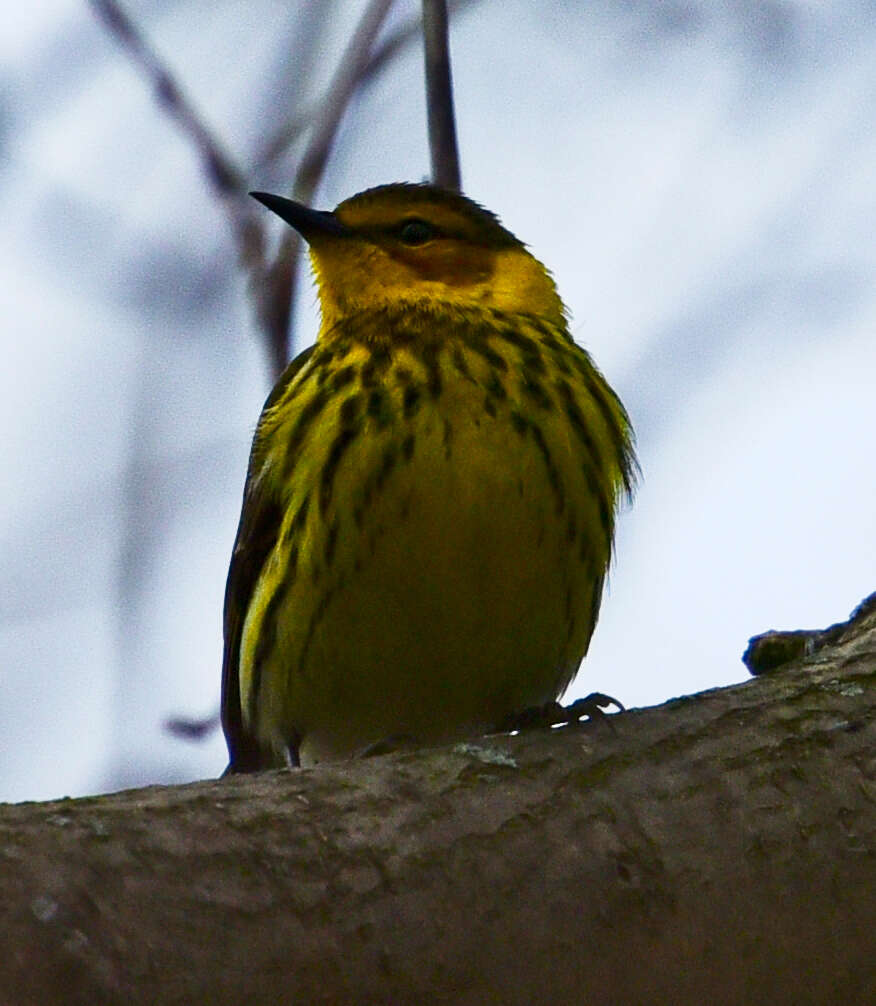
x=282, y=275
x=191, y=729
x=222, y=173
x=381, y=57
x=341, y=89
x=224, y=176
x=439, y=96
x=271, y=286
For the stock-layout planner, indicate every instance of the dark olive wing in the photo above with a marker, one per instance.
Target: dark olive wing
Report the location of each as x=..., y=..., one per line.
x=260, y=521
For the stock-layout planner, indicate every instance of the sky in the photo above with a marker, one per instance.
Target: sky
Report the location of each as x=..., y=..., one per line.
x=699, y=179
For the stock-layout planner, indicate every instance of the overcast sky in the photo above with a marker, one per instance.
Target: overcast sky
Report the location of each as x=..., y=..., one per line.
x=698, y=176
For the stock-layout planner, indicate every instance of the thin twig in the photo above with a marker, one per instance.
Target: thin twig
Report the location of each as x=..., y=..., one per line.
x=190, y=729
x=226, y=179
x=392, y=46
x=222, y=173
x=344, y=83
x=282, y=275
x=439, y=96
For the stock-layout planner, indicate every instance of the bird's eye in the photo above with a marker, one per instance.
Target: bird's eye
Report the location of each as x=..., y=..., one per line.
x=416, y=232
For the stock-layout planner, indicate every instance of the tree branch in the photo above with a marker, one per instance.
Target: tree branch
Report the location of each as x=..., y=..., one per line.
x=439, y=96
x=715, y=849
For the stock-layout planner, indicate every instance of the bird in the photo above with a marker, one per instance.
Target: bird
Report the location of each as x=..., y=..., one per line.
x=431, y=496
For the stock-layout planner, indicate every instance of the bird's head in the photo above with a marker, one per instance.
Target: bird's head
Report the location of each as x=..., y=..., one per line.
x=403, y=244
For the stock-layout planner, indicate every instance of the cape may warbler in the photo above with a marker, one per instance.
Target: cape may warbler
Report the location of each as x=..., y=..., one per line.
x=430, y=503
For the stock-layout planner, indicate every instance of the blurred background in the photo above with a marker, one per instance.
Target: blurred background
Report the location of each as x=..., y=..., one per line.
x=700, y=178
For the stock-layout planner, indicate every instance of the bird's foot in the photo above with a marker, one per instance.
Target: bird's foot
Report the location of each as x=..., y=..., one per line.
x=553, y=714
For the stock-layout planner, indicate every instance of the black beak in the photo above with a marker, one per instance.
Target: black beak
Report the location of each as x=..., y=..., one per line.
x=309, y=223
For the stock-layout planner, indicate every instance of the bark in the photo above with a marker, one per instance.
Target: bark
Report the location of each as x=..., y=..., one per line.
x=716, y=849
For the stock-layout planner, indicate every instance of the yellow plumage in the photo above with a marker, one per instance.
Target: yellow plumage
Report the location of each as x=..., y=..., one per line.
x=430, y=503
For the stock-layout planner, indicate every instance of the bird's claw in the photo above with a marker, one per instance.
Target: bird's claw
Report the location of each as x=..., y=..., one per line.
x=553, y=714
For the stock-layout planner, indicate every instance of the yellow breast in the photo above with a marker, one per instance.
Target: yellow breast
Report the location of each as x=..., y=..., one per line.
x=448, y=494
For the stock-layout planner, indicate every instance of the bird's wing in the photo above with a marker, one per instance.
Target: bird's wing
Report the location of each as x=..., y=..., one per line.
x=260, y=521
